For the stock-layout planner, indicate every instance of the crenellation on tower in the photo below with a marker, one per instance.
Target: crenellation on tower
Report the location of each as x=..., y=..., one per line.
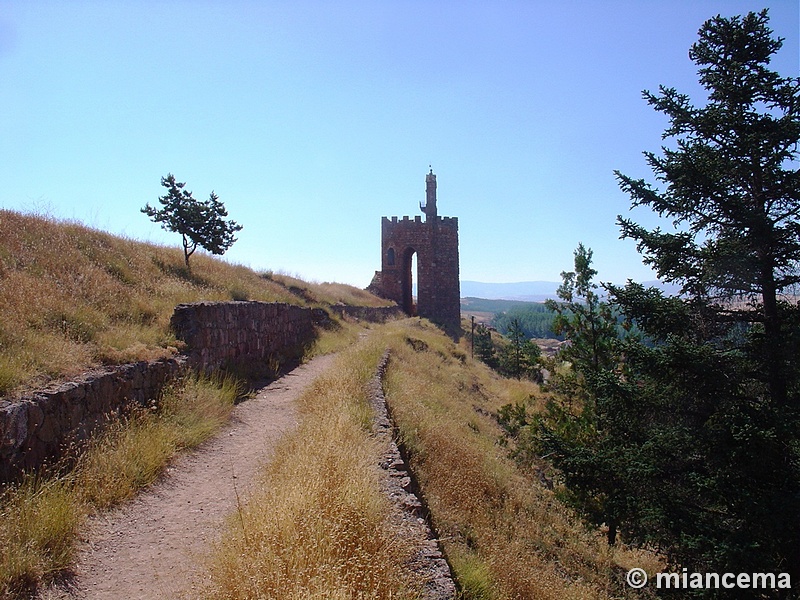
x=435, y=243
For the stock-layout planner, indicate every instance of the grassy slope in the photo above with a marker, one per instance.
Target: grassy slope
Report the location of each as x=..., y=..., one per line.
x=505, y=533
x=72, y=297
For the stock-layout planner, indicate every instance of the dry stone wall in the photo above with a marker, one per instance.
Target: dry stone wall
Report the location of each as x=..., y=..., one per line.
x=220, y=334
x=429, y=563
x=373, y=314
x=38, y=427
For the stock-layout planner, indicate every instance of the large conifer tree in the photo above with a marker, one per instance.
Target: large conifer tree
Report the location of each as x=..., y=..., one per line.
x=718, y=373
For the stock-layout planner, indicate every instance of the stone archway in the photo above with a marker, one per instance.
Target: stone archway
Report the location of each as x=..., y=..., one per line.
x=407, y=281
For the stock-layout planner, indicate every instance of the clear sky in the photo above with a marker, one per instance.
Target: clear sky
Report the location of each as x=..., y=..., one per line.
x=313, y=119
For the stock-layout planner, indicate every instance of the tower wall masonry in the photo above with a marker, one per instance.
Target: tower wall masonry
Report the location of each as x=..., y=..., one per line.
x=435, y=242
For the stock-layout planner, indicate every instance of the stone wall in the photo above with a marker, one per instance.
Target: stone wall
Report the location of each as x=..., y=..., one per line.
x=38, y=427
x=220, y=334
x=397, y=483
x=372, y=314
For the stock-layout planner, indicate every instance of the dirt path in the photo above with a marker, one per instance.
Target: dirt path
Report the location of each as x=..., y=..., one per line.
x=149, y=548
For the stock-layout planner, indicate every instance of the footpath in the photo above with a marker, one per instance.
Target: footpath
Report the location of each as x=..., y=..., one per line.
x=152, y=547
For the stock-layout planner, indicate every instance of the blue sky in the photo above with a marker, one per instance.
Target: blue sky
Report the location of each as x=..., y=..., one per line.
x=313, y=119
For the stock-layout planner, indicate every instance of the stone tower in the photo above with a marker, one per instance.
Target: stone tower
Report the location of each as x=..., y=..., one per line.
x=435, y=242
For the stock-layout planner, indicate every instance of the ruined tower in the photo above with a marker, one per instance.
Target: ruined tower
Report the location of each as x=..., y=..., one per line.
x=435, y=242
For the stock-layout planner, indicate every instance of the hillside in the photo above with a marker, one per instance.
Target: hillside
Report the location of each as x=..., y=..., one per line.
x=73, y=298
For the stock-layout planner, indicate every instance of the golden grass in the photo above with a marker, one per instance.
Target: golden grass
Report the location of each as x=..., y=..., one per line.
x=338, y=336
x=505, y=535
x=41, y=517
x=319, y=526
x=130, y=454
x=39, y=521
x=328, y=292
x=72, y=297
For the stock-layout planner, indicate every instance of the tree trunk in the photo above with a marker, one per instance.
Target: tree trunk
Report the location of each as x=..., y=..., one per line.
x=773, y=340
x=187, y=253
x=612, y=533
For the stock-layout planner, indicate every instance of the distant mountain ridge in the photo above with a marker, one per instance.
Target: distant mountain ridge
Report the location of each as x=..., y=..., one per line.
x=532, y=291
x=529, y=291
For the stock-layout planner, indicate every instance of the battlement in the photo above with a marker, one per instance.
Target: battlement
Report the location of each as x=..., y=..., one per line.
x=448, y=222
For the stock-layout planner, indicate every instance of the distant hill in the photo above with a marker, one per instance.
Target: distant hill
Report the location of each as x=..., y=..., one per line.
x=533, y=291
x=525, y=291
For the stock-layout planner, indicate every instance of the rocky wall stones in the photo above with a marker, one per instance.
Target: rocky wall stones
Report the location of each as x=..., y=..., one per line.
x=219, y=334
x=429, y=562
x=372, y=314
x=37, y=428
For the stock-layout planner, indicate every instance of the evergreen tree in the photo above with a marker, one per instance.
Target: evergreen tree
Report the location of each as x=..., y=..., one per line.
x=520, y=356
x=585, y=321
x=199, y=223
x=580, y=430
x=484, y=346
x=732, y=185
x=713, y=395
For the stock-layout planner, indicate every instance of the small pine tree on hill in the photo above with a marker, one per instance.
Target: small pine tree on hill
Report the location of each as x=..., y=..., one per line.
x=200, y=223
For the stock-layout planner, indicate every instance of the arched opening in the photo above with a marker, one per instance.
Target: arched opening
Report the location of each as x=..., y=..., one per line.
x=408, y=273
x=390, y=257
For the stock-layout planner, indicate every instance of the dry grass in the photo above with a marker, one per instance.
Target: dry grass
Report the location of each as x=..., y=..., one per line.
x=505, y=535
x=72, y=297
x=327, y=292
x=319, y=526
x=339, y=336
x=39, y=522
x=40, y=518
x=130, y=454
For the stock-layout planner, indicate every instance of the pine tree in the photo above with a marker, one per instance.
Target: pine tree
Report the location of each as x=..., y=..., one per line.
x=484, y=346
x=200, y=223
x=733, y=186
x=582, y=432
x=712, y=389
x=520, y=356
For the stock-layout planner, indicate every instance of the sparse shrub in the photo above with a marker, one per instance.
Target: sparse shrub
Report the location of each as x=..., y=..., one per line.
x=9, y=375
x=239, y=294
x=122, y=271
x=513, y=417
x=474, y=576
